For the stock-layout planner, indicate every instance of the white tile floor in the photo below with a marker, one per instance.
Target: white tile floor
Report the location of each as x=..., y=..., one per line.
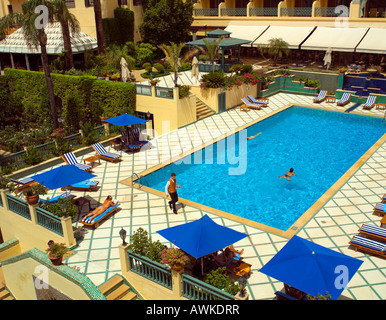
x=332, y=226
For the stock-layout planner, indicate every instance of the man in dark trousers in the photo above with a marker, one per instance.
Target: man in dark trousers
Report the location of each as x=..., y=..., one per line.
x=171, y=189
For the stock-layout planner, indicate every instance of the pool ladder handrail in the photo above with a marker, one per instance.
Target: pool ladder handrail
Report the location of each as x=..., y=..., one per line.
x=139, y=179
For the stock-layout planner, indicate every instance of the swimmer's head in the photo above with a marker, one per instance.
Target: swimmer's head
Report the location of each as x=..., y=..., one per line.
x=292, y=170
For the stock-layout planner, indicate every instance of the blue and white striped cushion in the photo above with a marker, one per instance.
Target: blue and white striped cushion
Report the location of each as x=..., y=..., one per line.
x=380, y=206
x=370, y=101
x=70, y=157
x=378, y=231
x=345, y=97
x=85, y=184
x=97, y=218
x=82, y=166
x=368, y=243
x=55, y=199
x=22, y=181
x=102, y=151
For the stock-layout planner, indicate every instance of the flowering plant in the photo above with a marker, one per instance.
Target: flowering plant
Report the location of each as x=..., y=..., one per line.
x=172, y=256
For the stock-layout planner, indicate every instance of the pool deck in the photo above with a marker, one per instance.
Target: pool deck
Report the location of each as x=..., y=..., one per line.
x=332, y=224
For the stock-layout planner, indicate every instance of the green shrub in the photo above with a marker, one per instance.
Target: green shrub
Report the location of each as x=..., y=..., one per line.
x=56, y=208
x=184, y=91
x=246, y=68
x=159, y=67
x=141, y=243
x=213, y=80
x=111, y=31
x=219, y=279
x=32, y=156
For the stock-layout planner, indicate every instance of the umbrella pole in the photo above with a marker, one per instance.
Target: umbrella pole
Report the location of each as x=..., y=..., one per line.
x=202, y=266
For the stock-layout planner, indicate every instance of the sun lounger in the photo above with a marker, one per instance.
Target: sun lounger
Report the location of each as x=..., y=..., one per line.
x=344, y=100
x=321, y=97
x=369, y=103
x=87, y=185
x=94, y=223
x=368, y=245
x=262, y=101
x=22, y=184
x=129, y=146
x=55, y=199
x=70, y=158
x=383, y=197
x=372, y=231
x=380, y=208
x=103, y=154
x=250, y=105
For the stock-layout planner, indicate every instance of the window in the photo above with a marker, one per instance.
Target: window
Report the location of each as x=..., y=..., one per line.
x=89, y=3
x=70, y=3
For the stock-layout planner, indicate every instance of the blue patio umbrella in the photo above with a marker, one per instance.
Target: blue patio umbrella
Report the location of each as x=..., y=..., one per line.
x=201, y=237
x=312, y=268
x=125, y=120
x=62, y=176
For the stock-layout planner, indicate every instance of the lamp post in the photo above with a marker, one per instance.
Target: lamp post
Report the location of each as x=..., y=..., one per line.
x=242, y=284
x=122, y=234
x=64, y=209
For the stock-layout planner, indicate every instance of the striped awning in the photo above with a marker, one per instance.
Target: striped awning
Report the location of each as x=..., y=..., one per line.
x=16, y=43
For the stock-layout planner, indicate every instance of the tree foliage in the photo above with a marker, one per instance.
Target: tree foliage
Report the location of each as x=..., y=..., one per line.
x=166, y=21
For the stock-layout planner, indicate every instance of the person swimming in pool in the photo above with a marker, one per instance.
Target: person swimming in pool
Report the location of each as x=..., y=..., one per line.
x=288, y=174
x=252, y=137
x=106, y=204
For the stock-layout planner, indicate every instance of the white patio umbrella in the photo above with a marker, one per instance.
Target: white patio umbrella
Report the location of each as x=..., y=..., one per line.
x=124, y=70
x=194, y=67
x=327, y=58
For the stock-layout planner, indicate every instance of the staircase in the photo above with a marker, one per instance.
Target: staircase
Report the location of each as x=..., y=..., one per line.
x=116, y=289
x=4, y=293
x=202, y=110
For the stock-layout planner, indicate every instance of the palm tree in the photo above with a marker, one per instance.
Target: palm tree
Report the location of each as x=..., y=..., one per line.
x=35, y=37
x=172, y=53
x=277, y=47
x=212, y=46
x=68, y=22
x=99, y=26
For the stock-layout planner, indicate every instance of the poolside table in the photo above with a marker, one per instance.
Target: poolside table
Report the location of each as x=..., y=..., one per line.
x=91, y=160
x=330, y=100
x=383, y=221
x=381, y=106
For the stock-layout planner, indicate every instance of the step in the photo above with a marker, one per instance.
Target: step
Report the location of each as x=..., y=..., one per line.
x=2, y=286
x=9, y=298
x=129, y=296
x=4, y=294
x=117, y=293
x=110, y=284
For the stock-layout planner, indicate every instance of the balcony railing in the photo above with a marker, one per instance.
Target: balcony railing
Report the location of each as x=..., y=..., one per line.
x=206, y=12
x=236, y=12
x=49, y=221
x=329, y=12
x=18, y=206
x=296, y=12
x=271, y=12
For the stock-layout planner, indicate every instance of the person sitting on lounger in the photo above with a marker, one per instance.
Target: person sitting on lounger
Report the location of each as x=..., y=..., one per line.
x=234, y=252
x=107, y=204
x=288, y=174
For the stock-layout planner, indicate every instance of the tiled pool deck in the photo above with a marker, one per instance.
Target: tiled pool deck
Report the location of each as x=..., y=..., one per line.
x=332, y=226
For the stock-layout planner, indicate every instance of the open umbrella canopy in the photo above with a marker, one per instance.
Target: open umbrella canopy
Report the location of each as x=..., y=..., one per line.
x=312, y=268
x=62, y=176
x=201, y=237
x=125, y=120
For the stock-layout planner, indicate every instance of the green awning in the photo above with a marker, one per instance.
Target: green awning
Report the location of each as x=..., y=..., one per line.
x=225, y=43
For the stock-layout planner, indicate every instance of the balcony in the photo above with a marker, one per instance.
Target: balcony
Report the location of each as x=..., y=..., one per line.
x=234, y=12
x=331, y=12
x=266, y=12
x=296, y=12
x=212, y=12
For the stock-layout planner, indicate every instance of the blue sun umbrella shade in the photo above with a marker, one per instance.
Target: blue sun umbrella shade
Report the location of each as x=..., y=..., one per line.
x=125, y=120
x=62, y=176
x=312, y=268
x=201, y=237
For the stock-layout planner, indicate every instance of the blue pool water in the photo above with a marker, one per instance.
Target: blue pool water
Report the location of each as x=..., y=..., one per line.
x=320, y=145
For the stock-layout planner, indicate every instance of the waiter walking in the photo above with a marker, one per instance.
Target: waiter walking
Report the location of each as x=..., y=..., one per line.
x=171, y=189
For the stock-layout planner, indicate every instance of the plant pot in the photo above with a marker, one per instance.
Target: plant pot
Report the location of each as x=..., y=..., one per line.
x=178, y=267
x=153, y=83
x=103, y=120
x=32, y=200
x=56, y=261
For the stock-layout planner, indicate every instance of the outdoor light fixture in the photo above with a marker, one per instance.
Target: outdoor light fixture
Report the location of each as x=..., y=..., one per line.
x=242, y=284
x=64, y=209
x=122, y=234
x=80, y=123
x=148, y=115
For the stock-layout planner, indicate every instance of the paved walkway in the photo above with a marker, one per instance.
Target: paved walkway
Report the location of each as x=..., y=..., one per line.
x=332, y=226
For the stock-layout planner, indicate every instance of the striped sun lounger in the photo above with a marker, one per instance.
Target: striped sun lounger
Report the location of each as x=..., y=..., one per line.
x=98, y=219
x=368, y=245
x=103, y=154
x=380, y=208
x=22, y=184
x=320, y=97
x=70, y=158
x=249, y=105
x=369, y=103
x=372, y=231
x=344, y=100
x=262, y=101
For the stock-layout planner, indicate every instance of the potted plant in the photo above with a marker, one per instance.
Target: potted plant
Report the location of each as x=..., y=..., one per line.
x=33, y=192
x=55, y=252
x=5, y=183
x=115, y=76
x=175, y=258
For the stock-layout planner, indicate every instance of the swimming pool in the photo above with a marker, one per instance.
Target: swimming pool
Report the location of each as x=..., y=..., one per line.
x=320, y=145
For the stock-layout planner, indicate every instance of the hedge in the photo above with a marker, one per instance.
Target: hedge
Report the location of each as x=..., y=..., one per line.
x=92, y=97
x=119, y=29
